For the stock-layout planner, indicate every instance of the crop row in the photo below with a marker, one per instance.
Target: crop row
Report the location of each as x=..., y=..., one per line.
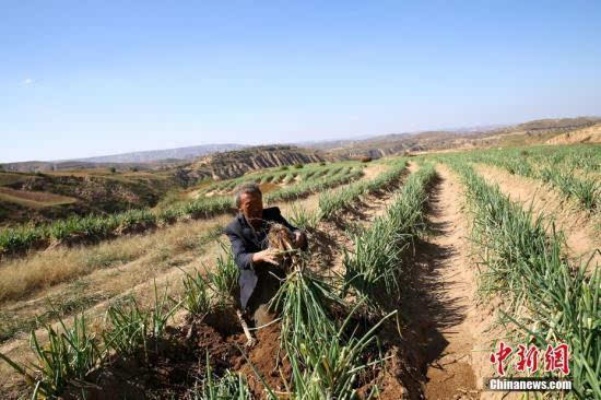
x=91, y=229
x=578, y=157
x=288, y=176
x=314, y=186
x=553, y=170
x=526, y=267
x=283, y=174
x=375, y=266
x=332, y=202
x=326, y=360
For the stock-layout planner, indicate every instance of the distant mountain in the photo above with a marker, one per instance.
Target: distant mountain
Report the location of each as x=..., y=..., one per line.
x=374, y=146
x=181, y=153
x=477, y=128
x=532, y=132
x=47, y=166
x=143, y=160
x=325, y=145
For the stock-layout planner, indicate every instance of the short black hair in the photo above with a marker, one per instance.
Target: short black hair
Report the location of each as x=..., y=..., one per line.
x=248, y=187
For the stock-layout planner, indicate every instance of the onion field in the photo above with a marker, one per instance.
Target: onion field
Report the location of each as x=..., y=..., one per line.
x=418, y=269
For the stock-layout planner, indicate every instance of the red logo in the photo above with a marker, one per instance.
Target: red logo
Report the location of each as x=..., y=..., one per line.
x=557, y=358
x=529, y=358
x=498, y=357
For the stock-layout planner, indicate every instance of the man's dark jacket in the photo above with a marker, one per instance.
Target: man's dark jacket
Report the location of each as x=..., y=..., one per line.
x=245, y=243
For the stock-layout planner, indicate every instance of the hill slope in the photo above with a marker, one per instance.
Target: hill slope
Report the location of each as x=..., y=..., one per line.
x=532, y=132
x=587, y=135
x=146, y=160
x=45, y=197
x=232, y=164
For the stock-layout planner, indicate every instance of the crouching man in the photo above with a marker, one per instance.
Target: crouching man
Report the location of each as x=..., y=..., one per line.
x=260, y=271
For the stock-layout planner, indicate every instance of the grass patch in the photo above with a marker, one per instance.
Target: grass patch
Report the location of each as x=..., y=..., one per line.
x=7, y=178
x=34, y=199
x=57, y=307
x=24, y=276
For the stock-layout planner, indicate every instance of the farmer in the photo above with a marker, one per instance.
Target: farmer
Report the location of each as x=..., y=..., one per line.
x=248, y=235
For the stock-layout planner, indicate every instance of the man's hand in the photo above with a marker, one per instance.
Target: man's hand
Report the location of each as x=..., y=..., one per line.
x=300, y=239
x=271, y=256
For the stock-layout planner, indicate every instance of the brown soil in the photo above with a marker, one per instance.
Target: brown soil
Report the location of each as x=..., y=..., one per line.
x=268, y=187
x=376, y=205
x=581, y=236
x=373, y=170
x=447, y=325
x=174, y=365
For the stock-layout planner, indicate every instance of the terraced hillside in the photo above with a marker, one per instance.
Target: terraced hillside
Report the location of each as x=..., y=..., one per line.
x=99, y=190
x=416, y=270
x=232, y=164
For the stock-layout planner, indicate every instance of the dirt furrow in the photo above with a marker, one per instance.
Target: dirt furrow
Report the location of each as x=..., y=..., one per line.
x=582, y=238
x=448, y=326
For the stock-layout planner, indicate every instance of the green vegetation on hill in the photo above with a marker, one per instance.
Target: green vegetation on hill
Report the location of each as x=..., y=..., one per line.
x=37, y=198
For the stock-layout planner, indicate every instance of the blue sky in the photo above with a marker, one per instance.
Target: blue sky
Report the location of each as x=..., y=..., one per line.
x=84, y=78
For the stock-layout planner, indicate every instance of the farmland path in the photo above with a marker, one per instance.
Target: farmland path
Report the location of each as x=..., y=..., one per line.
x=577, y=225
x=449, y=327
